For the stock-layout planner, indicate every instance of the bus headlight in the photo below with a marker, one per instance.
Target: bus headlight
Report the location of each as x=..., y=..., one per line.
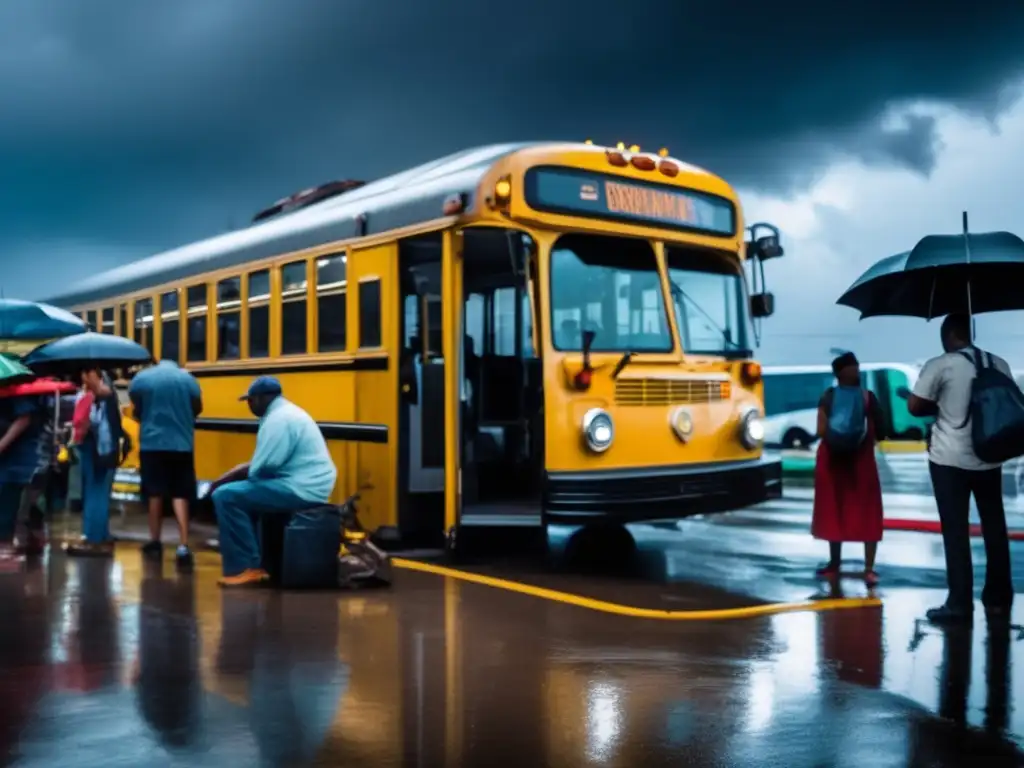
x=598, y=430
x=751, y=429
x=682, y=423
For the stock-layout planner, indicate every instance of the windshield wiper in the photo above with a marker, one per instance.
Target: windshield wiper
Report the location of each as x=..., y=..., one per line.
x=679, y=293
x=623, y=362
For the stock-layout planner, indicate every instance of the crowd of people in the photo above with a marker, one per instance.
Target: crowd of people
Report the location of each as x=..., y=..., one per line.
x=291, y=469
x=848, y=493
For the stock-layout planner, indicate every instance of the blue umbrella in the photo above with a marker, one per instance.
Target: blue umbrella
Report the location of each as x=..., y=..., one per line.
x=32, y=320
x=86, y=349
x=970, y=273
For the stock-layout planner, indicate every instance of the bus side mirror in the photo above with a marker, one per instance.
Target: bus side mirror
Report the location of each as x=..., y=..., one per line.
x=764, y=247
x=768, y=247
x=762, y=305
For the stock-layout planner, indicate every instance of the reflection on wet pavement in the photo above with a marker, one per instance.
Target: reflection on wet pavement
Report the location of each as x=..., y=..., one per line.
x=776, y=563
x=107, y=663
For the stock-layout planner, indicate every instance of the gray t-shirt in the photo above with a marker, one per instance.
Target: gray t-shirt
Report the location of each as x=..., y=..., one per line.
x=946, y=380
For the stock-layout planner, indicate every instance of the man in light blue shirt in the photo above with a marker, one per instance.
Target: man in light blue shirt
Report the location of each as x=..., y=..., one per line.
x=290, y=471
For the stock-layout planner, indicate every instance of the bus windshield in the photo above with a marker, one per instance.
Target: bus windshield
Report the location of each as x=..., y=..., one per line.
x=709, y=298
x=610, y=286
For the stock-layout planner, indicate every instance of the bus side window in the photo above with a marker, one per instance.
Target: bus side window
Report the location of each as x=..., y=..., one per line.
x=107, y=321
x=294, y=294
x=143, y=333
x=197, y=311
x=229, y=318
x=258, y=307
x=331, y=303
x=369, y=314
x=170, y=326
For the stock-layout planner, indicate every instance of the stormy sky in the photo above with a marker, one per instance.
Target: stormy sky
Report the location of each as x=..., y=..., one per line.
x=127, y=128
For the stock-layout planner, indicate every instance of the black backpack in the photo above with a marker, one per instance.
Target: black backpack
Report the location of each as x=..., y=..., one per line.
x=996, y=411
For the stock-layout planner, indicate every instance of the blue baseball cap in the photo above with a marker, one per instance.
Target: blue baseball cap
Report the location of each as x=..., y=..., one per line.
x=264, y=385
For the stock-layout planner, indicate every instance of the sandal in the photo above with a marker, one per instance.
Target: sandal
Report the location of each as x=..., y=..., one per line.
x=828, y=571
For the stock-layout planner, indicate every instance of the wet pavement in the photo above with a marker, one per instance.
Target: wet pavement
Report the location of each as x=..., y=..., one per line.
x=110, y=663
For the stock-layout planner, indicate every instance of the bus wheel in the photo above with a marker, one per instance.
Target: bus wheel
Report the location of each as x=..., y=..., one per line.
x=796, y=439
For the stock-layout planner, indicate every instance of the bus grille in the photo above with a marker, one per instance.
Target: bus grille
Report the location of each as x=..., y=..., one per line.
x=669, y=391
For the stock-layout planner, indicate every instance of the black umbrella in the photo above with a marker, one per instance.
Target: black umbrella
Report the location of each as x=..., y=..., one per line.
x=970, y=273
x=98, y=350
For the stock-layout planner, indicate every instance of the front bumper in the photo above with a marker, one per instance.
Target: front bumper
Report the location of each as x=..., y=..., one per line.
x=659, y=493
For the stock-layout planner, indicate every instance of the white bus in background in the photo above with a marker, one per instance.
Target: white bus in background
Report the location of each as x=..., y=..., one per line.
x=791, y=395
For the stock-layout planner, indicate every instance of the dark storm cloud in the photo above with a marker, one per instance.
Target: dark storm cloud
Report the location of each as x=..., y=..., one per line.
x=154, y=123
x=915, y=143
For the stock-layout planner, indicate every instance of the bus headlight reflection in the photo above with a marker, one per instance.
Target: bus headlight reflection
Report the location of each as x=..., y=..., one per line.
x=598, y=430
x=751, y=429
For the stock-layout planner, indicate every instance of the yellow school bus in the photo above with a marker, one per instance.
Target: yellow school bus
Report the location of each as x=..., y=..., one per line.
x=516, y=334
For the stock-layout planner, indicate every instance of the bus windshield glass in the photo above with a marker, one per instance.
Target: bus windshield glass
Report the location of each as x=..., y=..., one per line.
x=709, y=298
x=610, y=286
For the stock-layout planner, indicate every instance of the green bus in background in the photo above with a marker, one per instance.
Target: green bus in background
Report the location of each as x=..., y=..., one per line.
x=791, y=395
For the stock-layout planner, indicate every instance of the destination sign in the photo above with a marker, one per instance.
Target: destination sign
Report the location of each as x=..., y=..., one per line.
x=584, y=193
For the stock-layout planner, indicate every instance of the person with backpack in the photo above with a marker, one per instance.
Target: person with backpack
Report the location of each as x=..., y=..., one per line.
x=847, y=488
x=980, y=424
x=101, y=453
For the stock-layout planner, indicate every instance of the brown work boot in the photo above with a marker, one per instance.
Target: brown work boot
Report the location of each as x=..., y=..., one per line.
x=251, y=577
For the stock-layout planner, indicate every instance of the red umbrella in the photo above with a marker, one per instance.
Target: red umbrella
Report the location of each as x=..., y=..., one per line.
x=39, y=387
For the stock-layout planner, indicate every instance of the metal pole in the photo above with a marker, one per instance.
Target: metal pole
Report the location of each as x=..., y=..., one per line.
x=970, y=305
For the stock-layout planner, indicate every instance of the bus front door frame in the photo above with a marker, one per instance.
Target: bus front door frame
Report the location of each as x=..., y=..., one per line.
x=451, y=284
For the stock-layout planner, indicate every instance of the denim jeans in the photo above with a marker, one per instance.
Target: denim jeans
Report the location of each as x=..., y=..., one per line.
x=97, y=485
x=10, y=507
x=238, y=506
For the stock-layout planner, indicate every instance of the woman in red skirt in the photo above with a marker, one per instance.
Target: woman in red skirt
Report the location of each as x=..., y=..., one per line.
x=847, y=489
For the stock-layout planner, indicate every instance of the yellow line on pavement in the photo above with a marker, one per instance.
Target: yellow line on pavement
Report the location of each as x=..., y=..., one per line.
x=620, y=609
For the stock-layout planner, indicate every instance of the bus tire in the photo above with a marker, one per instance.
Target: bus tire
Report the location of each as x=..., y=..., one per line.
x=796, y=438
